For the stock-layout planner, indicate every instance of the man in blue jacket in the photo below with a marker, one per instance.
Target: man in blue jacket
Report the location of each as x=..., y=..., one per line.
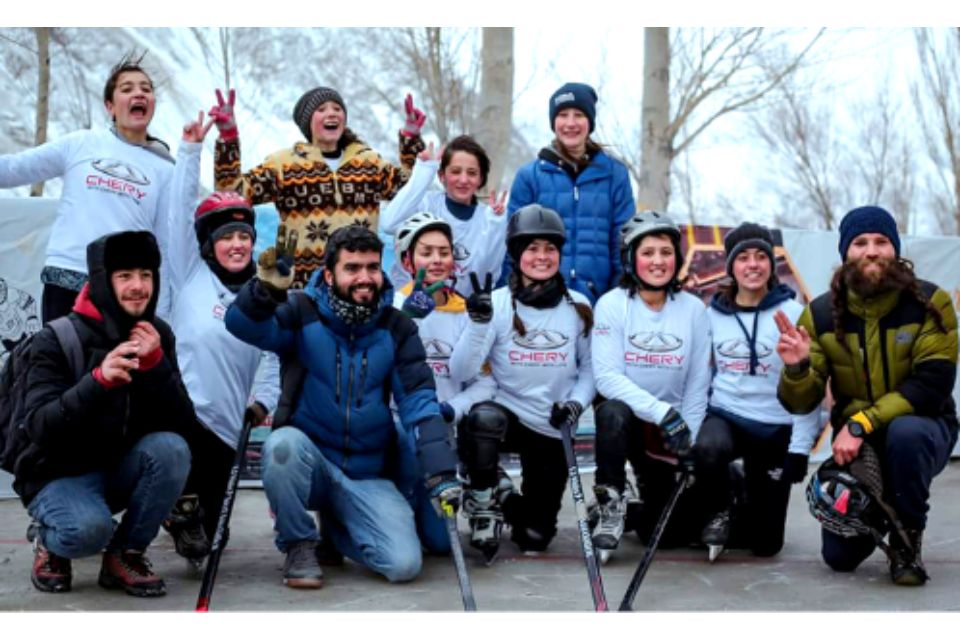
x=345, y=351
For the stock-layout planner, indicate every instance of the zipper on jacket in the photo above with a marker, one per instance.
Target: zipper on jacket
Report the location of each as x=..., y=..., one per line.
x=862, y=336
x=576, y=193
x=346, y=418
x=338, y=376
x=363, y=378
x=883, y=357
x=336, y=190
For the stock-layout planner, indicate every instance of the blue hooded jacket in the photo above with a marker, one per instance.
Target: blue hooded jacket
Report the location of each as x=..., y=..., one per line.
x=343, y=403
x=593, y=206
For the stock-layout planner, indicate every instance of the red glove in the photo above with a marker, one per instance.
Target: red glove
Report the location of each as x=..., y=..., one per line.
x=414, y=118
x=222, y=115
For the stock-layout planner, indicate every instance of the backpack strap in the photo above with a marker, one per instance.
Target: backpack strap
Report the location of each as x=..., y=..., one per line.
x=69, y=341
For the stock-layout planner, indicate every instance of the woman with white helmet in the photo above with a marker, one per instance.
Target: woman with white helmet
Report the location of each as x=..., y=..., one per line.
x=425, y=251
x=535, y=337
x=651, y=361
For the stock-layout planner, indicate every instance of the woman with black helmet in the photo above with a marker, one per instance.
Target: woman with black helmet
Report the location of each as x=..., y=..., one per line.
x=651, y=361
x=535, y=339
x=745, y=418
x=210, y=257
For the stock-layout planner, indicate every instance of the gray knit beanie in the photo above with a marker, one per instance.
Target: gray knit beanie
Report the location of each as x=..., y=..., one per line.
x=310, y=102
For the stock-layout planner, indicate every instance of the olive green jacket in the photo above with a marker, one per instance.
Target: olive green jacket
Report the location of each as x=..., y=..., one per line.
x=898, y=362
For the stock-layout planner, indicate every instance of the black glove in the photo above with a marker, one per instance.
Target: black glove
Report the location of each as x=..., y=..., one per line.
x=447, y=412
x=676, y=436
x=256, y=413
x=568, y=410
x=480, y=302
x=795, y=467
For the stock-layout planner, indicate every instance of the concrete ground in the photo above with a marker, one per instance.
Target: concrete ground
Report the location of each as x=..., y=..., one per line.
x=679, y=580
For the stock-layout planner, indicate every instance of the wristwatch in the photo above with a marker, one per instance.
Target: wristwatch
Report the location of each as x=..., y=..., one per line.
x=855, y=429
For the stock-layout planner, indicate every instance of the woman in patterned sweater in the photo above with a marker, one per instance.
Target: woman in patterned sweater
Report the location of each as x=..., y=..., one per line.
x=331, y=181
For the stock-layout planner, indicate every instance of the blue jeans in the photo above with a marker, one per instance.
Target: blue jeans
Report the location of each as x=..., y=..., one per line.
x=369, y=520
x=75, y=512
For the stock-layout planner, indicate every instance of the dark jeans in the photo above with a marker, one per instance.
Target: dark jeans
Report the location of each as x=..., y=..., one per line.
x=912, y=451
x=56, y=302
x=212, y=461
x=542, y=463
x=720, y=441
x=75, y=512
x=620, y=437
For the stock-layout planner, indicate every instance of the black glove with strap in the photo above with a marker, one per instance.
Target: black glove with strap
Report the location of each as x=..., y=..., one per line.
x=480, y=302
x=562, y=412
x=676, y=437
x=795, y=467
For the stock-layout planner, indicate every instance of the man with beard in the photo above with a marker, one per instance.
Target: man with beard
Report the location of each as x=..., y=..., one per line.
x=887, y=341
x=344, y=352
x=112, y=440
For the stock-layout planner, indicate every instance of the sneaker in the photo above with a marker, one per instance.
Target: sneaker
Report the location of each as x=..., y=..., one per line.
x=906, y=566
x=611, y=516
x=486, y=521
x=132, y=572
x=186, y=527
x=51, y=573
x=301, y=569
x=717, y=531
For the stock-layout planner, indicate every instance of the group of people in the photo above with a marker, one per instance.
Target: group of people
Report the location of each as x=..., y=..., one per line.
x=393, y=396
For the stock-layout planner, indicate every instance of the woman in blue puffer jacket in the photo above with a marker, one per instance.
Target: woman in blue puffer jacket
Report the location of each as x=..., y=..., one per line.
x=590, y=190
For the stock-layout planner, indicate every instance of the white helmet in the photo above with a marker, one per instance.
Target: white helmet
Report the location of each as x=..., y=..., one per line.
x=415, y=225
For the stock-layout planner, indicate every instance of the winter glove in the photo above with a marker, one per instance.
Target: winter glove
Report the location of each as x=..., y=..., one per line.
x=256, y=413
x=676, y=436
x=444, y=490
x=564, y=412
x=447, y=412
x=795, y=467
x=480, y=302
x=275, y=266
x=414, y=118
x=222, y=115
x=420, y=302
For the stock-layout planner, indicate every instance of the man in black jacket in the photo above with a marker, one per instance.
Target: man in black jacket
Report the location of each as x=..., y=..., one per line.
x=112, y=440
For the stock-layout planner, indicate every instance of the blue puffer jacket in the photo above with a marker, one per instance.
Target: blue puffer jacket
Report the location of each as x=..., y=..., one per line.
x=593, y=208
x=350, y=373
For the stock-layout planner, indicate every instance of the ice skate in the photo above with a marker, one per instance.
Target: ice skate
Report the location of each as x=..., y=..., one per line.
x=486, y=522
x=186, y=528
x=611, y=512
x=716, y=534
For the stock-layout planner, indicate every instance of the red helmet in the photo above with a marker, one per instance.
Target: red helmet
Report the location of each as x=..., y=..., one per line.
x=223, y=209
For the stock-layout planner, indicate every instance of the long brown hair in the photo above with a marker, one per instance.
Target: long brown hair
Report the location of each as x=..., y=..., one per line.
x=583, y=310
x=899, y=275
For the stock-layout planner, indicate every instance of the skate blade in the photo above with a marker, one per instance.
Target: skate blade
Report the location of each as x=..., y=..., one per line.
x=196, y=565
x=488, y=555
x=604, y=555
x=714, y=551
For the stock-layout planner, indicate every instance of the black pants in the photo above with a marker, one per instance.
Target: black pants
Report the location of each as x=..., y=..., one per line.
x=721, y=441
x=912, y=450
x=621, y=436
x=490, y=429
x=211, y=461
x=56, y=302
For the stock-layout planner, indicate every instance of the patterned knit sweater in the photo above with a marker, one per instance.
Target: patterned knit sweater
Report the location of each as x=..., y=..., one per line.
x=312, y=198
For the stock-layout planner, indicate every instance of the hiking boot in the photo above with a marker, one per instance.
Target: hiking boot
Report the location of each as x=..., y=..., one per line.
x=486, y=521
x=301, y=569
x=611, y=517
x=51, y=573
x=132, y=572
x=906, y=566
x=186, y=527
x=717, y=531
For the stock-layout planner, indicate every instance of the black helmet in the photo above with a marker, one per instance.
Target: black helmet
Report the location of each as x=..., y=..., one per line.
x=844, y=502
x=531, y=222
x=642, y=224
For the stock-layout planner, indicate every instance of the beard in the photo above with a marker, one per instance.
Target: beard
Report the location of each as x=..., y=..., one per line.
x=347, y=295
x=896, y=274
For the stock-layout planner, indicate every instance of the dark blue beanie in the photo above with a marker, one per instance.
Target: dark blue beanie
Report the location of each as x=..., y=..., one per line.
x=867, y=220
x=578, y=96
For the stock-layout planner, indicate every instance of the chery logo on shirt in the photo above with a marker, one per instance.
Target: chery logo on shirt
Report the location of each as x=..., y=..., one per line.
x=655, y=348
x=438, y=351
x=737, y=354
x=460, y=252
x=539, y=348
x=118, y=177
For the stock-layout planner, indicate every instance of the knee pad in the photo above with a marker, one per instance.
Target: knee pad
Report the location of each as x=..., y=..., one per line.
x=487, y=421
x=614, y=415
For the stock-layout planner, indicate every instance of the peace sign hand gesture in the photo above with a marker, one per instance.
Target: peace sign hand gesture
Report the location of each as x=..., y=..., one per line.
x=414, y=118
x=498, y=203
x=480, y=302
x=794, y=343
x=275, y=266
x=420, y=302
x=222, y=115
x=196, y=131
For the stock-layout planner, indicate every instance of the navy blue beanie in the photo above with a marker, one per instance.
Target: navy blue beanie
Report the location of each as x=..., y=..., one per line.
x=578, y=96
x=867, y=220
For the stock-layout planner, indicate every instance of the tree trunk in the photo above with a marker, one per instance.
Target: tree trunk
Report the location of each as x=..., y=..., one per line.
x=43, y=93
x=656, y=152
x=496, y=100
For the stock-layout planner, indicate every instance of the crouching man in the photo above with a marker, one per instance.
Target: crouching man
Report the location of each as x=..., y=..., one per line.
x=110, y=440
x=344, y=352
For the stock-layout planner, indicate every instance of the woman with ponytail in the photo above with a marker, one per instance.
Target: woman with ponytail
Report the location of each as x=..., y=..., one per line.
x=535, y=340
x=651, y=359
